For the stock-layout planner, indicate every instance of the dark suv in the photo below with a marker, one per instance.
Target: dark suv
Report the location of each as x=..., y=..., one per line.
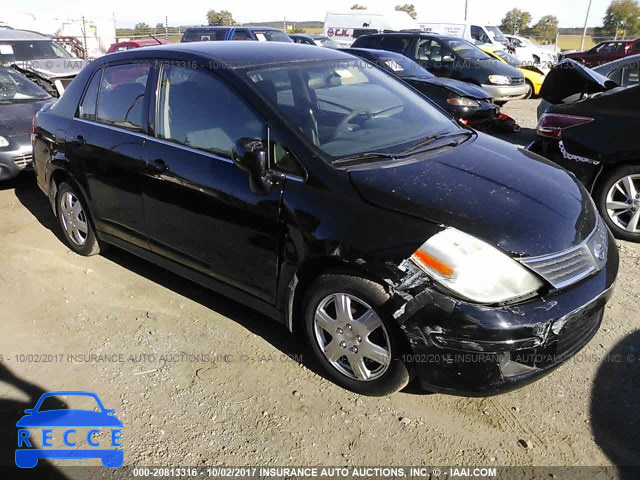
x=326, y=193
x=454, y=58
x=260, y=34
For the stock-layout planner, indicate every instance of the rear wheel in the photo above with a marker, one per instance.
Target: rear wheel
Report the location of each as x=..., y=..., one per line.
x=357, y=346
x=618, y=199
x=75, y=222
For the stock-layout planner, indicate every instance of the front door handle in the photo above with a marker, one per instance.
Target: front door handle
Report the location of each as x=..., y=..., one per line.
x=158, y=166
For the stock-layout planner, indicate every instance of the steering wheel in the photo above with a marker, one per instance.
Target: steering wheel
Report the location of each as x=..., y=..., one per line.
x=344, y=123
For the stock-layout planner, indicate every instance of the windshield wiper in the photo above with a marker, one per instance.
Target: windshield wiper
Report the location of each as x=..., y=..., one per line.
x=362, y=156
x=412, y=150
x=432, y=139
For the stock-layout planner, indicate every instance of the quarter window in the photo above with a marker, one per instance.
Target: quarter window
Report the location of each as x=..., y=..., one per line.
x=87, y=109
x=197, y=109
x=121, y=97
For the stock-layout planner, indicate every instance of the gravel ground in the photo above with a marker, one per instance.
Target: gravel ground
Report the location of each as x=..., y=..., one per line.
x=198, y=379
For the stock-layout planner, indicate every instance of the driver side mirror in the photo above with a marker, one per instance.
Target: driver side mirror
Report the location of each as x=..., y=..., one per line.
x=250, y=155
x=447, y=59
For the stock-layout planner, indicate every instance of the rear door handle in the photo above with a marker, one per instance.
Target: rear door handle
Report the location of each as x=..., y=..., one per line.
x=158, y=166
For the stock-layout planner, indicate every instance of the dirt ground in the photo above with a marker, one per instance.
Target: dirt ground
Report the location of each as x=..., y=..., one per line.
x=199, y=380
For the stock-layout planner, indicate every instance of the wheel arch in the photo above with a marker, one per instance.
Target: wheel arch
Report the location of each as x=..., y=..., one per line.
x=313, y=269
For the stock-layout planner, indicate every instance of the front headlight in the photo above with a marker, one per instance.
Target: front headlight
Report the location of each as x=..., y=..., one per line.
x=463, y=102
x=4, y=142
x=474, y=269
x=499, y=80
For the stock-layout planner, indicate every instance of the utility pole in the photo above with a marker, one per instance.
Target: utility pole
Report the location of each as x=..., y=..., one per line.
x=584, y=32
x=466, y=9
x=166, y=27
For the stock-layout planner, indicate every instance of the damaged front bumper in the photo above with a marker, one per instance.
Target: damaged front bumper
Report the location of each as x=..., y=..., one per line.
x=470, y=349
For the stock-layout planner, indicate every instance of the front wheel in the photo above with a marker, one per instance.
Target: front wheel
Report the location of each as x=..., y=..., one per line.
x=75, y=222
x=618, y=199
x=530, y=93
x=357, y=346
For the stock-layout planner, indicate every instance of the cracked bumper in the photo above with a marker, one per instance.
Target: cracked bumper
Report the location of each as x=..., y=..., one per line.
x=469, y=349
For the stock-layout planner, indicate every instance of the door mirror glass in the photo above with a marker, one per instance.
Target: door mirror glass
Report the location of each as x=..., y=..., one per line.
x=250, y=155
x=447, y=59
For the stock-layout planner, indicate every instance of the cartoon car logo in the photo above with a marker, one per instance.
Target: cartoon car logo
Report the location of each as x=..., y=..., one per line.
x=27, y=455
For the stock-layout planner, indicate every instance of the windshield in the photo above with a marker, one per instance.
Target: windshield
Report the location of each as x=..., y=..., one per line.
x=498, y=35
x=16, y=87
x=25, y=50
x=348, y=107
x=271, y=36
x=510, y=59
x=466, y=50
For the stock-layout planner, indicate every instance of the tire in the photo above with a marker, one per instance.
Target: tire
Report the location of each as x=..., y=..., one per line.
x=75, y=222
x=530, y=94
x=331, y=333
x=621, y=213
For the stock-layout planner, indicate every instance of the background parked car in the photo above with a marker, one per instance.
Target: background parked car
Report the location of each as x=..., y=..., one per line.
x=533, y=75
x=596, y=137
x=311, y=39
x=41, y=59
x=453, y=58
x=141, y=42
x=527, y=51
x=463, y=100
x=605, y=52
x=260, y=34
x=20, y=100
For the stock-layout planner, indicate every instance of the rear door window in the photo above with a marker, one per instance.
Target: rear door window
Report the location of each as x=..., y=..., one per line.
x=121, y=97
x=394, y=43
x=241, y=34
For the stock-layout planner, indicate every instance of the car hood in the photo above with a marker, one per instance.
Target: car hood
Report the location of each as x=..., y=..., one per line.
x=52, y=68
x=463, y=89
x=69, y=418
x=16, y=118
x=569, y=78
x=508, y=197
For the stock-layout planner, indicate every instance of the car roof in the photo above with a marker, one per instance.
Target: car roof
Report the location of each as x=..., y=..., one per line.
x=11, y=34
x=414, y=34
x=220, y=27
x=240, y=54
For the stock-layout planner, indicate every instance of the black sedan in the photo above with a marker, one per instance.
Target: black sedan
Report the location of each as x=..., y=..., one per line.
x=337, y=200
x=20, y=100
x=591, y=129
x=463, y=100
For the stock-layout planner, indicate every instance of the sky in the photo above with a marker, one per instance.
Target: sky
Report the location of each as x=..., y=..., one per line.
x=571, y=13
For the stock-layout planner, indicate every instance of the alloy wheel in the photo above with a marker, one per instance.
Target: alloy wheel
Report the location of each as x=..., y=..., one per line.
x=352, y=337
x=74, y=219
x=623, y=203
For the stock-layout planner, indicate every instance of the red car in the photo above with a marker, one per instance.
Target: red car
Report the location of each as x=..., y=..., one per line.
x=606, y=52
x=129, y=45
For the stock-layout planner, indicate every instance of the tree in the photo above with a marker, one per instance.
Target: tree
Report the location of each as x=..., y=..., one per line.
x=515, y=21
x=294, y=28
x=622, y=16
x=408, y=8
x=221, y=18
x=159, y=26
x=141, y=27
x=546, y=29
x=357, y=6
